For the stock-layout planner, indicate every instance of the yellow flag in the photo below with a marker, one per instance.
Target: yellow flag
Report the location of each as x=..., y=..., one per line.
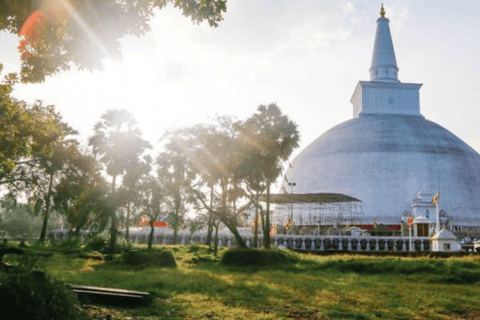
x=435, y=199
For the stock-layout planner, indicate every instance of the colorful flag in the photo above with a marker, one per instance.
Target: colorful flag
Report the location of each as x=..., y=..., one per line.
x=259, y=222
x=143, y=221
x=273, y=230
x=410, y=221
x=289, y=223
x=435, y=199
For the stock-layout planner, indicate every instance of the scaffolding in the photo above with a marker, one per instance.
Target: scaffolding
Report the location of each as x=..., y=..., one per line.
x=317, y=210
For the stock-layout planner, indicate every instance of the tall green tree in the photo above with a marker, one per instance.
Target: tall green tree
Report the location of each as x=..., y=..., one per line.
x=37, y=172
x=205, y=164
x=52, y=165
x=132, y=189
x=216, y=154
x=269, y=138
x=58, y=34
x=25, y=132
x=153, y=202
x=118, y=144
x=82, y=195
x=176, y=175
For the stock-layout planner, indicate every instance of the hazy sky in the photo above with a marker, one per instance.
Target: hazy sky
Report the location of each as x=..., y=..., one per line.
x=305, y=55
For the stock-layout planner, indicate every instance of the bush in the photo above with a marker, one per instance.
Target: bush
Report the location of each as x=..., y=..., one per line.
x=32, y=295
x=71, y=243
x=144, y=258
x=257, y=257
x=97, y=243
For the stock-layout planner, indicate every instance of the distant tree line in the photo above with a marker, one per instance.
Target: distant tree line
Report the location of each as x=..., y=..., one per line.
x=218, y=169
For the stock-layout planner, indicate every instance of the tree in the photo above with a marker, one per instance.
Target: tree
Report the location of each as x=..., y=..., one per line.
x=215, y=153
x=25, y=131
x=59, y=33
x=131, y=193
x=19, y=219
x=118, y=144
x=176, y=175
x=39, y=173
x=154, y=202
x=205, y=165
x=82, y=195
x=52, y=164
x=269, y=139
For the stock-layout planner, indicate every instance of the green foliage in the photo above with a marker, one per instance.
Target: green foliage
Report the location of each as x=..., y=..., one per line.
x=145, y=258
x=176, y=176
x=97, y=243
x=19, y=220
x=27, y=294
x=69, y=244
x=25, y=130
x=118, y=144
x=256, y=257
x=89, y=35
x=81, y=194
x=269, y=138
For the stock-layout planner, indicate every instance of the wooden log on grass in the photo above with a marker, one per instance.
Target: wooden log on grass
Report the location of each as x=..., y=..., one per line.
x=110, y=296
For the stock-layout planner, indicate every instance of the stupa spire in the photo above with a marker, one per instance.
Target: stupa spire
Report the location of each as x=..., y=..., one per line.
x=382, y=12
x=384, y=65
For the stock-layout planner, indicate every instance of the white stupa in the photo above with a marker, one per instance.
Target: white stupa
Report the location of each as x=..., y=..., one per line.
x=388, y=152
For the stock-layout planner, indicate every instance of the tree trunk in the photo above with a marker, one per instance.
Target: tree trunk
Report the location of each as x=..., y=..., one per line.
x=255, y=232
x=216, y=240
x=231, y=226
x=266, y=236
x=150, y=237
x=208, y=241
x=175, y=232
x=113, y=227
x=127, y=231
x=47, y=210
x=211, y=221
x=233, y=229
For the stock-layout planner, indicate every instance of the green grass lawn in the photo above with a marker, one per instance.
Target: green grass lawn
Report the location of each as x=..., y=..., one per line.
x=314, y=287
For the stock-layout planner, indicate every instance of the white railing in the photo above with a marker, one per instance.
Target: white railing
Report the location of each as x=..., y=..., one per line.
x=306, y=242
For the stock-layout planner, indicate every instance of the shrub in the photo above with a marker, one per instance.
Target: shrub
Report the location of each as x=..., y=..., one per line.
x=97, y=243
x=71, y=243
x=32, y=295
x=144, y=258
x=257, y=257
x=193, y=248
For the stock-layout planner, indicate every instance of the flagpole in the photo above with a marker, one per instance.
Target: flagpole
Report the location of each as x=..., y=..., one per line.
x=438, y=217
x=410, y=237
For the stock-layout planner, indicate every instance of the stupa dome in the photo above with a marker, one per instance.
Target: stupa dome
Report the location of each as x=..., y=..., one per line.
x=389, y=152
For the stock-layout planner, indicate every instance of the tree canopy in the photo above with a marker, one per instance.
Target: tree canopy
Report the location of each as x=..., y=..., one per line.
x=56, y=34
x=118, y=144
x=25, y=130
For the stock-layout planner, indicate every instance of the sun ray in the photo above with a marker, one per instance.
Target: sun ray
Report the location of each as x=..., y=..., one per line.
x=55, y=12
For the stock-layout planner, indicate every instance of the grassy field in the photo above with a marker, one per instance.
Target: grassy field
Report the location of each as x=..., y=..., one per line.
x=311, y=287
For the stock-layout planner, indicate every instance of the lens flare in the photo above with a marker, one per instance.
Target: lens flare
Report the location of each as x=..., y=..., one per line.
x=52, y=13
